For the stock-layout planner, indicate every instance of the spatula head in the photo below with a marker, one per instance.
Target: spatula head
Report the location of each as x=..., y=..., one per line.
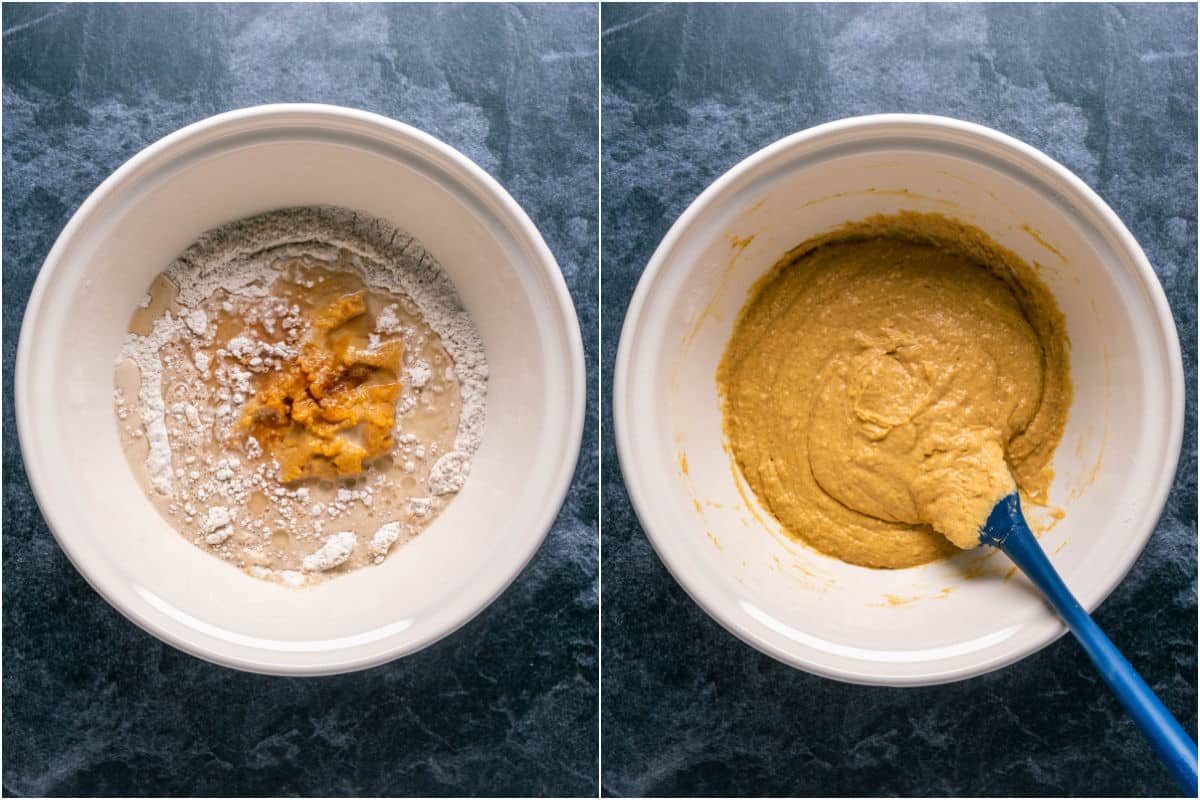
x=1005, y=517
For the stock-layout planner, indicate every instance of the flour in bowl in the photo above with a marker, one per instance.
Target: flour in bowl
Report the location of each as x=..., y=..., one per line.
x=301, y=392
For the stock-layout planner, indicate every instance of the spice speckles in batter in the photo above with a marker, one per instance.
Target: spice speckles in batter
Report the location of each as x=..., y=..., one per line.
x=301, y=392
x=888, y=382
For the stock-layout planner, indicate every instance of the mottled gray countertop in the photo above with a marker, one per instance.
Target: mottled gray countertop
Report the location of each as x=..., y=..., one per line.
x=92, y=705
x=688, y=92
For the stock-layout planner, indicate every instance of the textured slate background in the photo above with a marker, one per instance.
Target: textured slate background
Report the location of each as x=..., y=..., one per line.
x=94, y=706
x=690, y=91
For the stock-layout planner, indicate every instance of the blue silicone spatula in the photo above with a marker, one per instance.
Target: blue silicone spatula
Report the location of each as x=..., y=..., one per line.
x=1006, y=529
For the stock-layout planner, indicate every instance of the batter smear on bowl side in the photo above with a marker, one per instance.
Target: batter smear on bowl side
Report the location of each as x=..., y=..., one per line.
x=888, y=382
x=301, y=392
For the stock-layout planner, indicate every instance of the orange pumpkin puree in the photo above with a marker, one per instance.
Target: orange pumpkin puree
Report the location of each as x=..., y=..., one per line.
x=334, y=407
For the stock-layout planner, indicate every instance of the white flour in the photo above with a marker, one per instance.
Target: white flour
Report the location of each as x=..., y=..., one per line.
x=240, y=258
x=144, y=350
x=383, y=540
x=335, y=552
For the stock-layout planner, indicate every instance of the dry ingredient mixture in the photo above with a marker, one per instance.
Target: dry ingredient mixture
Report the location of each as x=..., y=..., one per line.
x=888, y=382
x=301, y=392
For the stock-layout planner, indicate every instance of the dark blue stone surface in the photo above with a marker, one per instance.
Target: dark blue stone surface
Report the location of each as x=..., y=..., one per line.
x=688, y=91
x=92, y=705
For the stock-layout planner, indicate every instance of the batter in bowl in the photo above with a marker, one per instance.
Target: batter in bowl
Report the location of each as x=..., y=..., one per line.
x=889, y=381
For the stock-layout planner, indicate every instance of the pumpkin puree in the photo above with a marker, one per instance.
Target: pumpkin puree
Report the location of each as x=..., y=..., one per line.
x=334, y=407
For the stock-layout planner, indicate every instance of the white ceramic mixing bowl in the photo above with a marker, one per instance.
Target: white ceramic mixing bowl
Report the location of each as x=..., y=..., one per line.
x=232, y=166
x=939, y=622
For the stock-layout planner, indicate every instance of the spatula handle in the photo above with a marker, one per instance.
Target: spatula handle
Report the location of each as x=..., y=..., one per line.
x=1164, y=733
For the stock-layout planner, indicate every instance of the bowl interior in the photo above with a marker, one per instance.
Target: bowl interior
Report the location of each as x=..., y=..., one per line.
x=103, y=265
x=936, y=622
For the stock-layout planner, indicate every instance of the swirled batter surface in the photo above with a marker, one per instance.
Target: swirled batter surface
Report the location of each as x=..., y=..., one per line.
x=888, y=382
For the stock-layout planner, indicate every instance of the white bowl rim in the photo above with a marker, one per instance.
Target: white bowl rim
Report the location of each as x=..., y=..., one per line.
x=461, y=609
x=624, y=376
